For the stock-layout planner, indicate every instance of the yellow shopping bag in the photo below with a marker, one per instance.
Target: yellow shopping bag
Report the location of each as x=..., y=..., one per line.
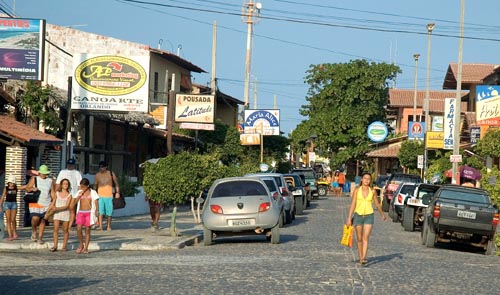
x=347, y=236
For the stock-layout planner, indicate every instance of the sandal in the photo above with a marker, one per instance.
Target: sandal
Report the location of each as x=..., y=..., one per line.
x=33, y=238
x=364, y=261
x=85, y=252
x=53, y=249
x=79, y=250
x=41, y=242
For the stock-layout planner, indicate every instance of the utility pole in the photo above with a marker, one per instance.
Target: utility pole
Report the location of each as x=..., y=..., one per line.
x=415, y=57
x=430, y=27
x=170, y=116
x=214, y=58
x=248, y=16
x=456, y=118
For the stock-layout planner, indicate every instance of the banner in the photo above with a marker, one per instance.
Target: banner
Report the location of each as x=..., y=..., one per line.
x=488, y=105
x=110, y=83
x=449, y=122
x=21, y=48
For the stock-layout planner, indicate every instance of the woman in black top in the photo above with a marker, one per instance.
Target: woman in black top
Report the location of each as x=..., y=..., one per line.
x=8, y=203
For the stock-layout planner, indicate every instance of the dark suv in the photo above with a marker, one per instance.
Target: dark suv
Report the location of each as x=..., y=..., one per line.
x=392, y=184
x=309, y=177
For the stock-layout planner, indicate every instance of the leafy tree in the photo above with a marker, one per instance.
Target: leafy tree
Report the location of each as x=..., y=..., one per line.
x=40, y=104
x=489, y=144
x=408, y=154
x=343, y=99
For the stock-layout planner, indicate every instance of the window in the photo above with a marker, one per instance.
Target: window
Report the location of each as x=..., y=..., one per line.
x=155, y=87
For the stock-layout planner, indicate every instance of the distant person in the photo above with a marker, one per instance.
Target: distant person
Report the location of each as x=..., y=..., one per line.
x=60, y=205
x=341, y=181
x=361, y=214
x=337, y=189
x=104, y=182
x=74, y=176
x=46, y=186
x=86, y=214
x=8, y=206
x=154, y=211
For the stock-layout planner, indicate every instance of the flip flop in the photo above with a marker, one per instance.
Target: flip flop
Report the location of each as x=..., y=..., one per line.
x=79, y=250
x=364, y=261
x=41, y=242
x=53, y=249
x=33, y=238
x=85, y=252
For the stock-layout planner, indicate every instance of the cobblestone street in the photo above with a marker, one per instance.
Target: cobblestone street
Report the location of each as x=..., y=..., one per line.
x=309, y=260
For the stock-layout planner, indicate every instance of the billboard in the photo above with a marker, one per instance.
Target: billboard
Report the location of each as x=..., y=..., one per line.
x=266, y=122
x=194, y=108
x=488, y=105
x=110, y=83
x=21, y=48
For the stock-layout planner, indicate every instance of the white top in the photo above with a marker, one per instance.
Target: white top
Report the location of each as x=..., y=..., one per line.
x=44, y=186
x=94, y=196
x=74, y=176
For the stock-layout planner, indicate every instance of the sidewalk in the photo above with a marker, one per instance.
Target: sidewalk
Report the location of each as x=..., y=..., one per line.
x=129, y=233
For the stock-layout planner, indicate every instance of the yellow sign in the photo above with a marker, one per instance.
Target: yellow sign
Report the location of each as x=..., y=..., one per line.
x=250, y=139
x=434, y=139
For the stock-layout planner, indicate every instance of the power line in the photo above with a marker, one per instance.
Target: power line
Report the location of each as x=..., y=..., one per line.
x=304, y=21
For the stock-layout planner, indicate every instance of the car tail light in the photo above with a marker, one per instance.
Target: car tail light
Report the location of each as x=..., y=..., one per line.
x=284, y=192
x=400, y=198
x=216, y=209
x=495, y=219
x=264, y=207
x=437, y=211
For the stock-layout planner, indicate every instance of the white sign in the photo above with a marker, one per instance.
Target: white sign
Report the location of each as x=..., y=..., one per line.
x=194, y=108
x=455, y=158
x=197, y=126
x=266, y=122
x=449, y=122
x=420, y=161
x=110, y=83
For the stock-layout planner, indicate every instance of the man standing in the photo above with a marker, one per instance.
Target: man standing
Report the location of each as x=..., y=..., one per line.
x=74, y=176
x=105, y=182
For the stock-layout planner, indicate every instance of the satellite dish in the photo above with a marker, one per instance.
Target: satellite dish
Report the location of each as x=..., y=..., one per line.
x=263, y=167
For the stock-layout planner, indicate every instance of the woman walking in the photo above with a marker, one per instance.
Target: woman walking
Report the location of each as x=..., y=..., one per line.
x=60, y=205
x=86, y=214
x=361, y=214
x=8, y=204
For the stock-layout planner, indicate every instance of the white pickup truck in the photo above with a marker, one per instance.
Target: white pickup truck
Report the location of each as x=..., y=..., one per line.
x=414, y=209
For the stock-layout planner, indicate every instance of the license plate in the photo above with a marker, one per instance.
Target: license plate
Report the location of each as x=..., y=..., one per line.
x=466, y=214
x=414, y=201
x=241, y=222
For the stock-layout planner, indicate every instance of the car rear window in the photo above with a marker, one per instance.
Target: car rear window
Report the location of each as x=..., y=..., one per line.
x=238, y=188
x=271, y=185
x=407, y=189
x=306, y=173
x=465, y=196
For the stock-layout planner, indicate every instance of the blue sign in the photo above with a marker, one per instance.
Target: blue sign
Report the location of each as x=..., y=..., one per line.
x=377, y=131
x=416, y=130
x=475, y=134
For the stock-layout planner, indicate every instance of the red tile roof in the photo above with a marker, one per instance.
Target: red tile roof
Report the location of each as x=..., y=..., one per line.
x=404, y=98
x=10, y=129
x=390, y=151
x=471, y=74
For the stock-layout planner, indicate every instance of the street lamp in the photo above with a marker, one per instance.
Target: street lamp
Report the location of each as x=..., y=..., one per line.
x=415, y=57
x=430, y=27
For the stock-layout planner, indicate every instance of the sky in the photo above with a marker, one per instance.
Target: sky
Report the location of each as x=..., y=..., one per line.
x=289, y=37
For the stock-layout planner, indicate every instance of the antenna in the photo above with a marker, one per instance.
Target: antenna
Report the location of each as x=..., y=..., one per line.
x=179, y=47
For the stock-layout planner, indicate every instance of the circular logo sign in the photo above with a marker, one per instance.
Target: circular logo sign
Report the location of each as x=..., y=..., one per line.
x=377, y=131
x=110, y=75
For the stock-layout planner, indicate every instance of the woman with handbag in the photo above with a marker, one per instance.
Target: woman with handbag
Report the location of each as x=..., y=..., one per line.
x=60, y=211
x=86, y=214
x=361, y=214
x=45, y=186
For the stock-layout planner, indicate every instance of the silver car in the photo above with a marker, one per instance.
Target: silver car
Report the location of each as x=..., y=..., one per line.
x=240, y=206
x=287, y=196
x=272, y=186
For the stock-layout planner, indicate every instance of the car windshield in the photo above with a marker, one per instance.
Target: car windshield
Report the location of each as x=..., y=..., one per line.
x=306, y=173
x=238, y=188
x=466, y=196
x=407, y=189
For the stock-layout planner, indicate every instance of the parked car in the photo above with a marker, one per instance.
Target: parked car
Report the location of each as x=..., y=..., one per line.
x=413, y=211
x=461, y=213
x=276, y=194
x=403, y=192
x=380, y=184
x=289, y=201
x=297, y=187
x=392, y=184
x=309, y=177
x=240, y=206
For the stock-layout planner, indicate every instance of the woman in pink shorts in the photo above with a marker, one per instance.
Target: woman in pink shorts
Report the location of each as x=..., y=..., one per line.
x=86, y=214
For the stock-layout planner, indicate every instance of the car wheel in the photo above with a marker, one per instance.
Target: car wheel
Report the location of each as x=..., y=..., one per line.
x=491, y=248
x=298, y=205
x=281, y=221
x=322, y=190
x=408, y=217
x=207, y=236
x=288, y=216
x=275, y=234
x=385, y=205
x=395, y=217
x=423, y=233
x=430, y=237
